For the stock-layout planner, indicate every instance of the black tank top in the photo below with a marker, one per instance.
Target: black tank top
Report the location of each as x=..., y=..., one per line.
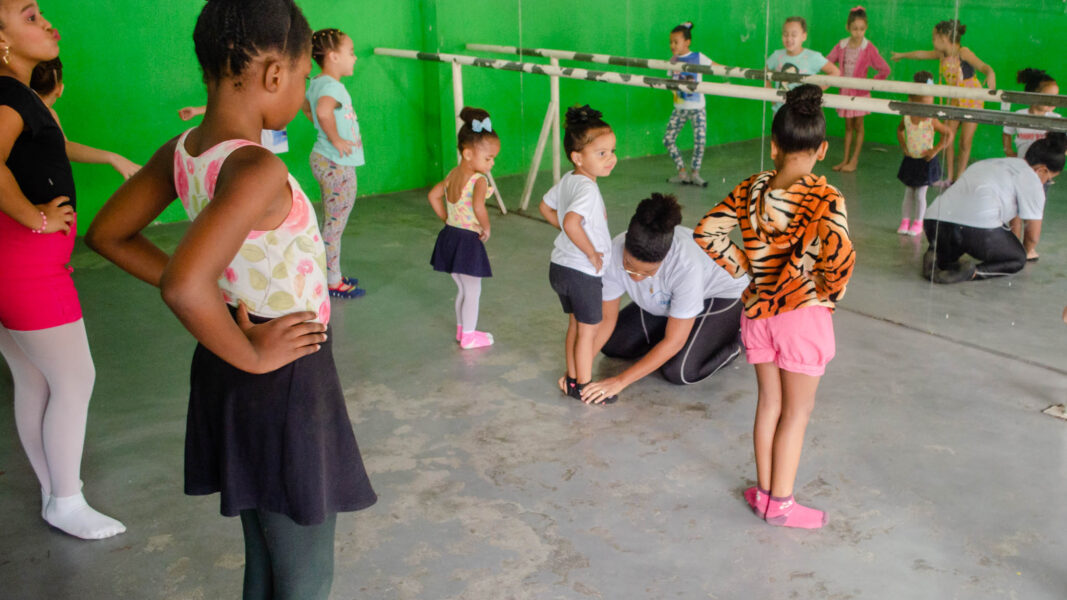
x=38, y=160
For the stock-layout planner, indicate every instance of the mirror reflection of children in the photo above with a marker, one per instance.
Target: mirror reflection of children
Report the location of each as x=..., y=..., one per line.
x=1017, y=140
x=688, y=107
x=959, y=66
x=795, y=58
x=47, y=81
x=920, y=168
x=855, y=55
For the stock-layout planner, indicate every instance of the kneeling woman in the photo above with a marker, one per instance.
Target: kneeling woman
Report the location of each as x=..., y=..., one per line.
x=686, y=311
x=973, y=216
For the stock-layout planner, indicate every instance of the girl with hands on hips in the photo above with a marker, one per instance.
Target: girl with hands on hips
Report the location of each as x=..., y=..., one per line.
x=248, y=281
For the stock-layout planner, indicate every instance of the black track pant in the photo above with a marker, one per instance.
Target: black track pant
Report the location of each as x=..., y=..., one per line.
x=713, y=342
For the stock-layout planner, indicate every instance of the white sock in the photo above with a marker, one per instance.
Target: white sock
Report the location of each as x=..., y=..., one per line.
x=45, y=498
x=73, y=515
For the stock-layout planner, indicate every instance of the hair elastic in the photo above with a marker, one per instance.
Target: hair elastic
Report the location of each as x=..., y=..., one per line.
x=44, y=223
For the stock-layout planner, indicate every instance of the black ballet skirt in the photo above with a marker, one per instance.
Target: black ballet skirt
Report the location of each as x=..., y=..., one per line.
x=460, y=251
x=917, y=172
x=280, y=441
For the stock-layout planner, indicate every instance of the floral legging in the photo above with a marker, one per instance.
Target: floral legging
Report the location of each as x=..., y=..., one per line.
x=338, y=185
x=700, y=131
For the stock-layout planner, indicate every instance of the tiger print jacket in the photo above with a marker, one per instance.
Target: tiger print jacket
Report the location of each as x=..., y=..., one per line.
x=796, y=244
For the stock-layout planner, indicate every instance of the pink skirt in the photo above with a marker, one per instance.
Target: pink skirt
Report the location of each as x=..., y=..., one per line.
x=37, y=289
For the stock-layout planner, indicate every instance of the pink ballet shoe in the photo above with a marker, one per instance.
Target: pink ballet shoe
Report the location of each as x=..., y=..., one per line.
x=757, y=500
x=785, y=512
x=916, y=228
x=905, y=225
x=476, y=339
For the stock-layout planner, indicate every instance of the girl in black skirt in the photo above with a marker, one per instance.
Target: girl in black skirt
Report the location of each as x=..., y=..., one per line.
x=267, y=424
x=459, y=201
x=919, y=168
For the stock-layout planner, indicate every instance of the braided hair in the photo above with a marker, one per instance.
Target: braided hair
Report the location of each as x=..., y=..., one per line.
x=229, y=34
x=325, y=41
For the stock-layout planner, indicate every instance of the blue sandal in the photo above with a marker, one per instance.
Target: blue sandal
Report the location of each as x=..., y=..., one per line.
x=346, y=290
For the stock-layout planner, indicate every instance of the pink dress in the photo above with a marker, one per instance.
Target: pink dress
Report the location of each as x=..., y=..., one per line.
x=855, y=62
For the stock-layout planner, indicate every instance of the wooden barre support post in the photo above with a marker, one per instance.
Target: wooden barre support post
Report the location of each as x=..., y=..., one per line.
x=876, y=105
x=856, y=83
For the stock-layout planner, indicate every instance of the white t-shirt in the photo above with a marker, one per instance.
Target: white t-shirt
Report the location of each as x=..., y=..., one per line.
x=1024, y=137
x=683, y=99
x=990, y=194
x=686, y=277
x=579, y=194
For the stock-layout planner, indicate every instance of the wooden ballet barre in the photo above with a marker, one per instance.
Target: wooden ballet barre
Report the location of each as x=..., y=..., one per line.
x=877, y=105
x=855, y=83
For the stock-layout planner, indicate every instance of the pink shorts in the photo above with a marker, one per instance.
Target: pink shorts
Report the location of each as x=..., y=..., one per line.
x=36, y=290
x=801, y=341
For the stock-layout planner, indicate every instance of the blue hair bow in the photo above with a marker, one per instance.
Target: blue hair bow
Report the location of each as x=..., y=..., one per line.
x=483, y=125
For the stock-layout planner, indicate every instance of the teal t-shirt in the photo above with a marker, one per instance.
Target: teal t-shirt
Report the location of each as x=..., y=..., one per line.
x=344, y=116
x=808, y=62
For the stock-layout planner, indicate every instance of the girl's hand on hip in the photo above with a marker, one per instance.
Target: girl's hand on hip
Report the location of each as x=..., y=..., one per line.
x=484, y=235
x=59, y=217
x=344, y=147
x=281, y=341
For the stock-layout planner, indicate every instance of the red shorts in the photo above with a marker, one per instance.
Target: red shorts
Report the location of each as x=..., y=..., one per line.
x=36, y=290
x=801, y=341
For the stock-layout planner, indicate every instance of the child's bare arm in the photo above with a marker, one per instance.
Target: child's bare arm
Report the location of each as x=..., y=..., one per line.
x=116, y=230
x=900, y=137
x=478, y=204
x=549, y=214
x=437, y=200
x=1009, y=150
x=945, y=137
x=324, y=111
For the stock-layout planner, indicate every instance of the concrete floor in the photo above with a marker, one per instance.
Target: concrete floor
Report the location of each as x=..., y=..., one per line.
x=928, y=449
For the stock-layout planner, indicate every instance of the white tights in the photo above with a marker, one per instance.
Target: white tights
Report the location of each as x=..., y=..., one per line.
x=467, y=299
x=53, y=374
x=914, y=203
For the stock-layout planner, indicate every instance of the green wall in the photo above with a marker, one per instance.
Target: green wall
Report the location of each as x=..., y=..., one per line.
x=130, y=65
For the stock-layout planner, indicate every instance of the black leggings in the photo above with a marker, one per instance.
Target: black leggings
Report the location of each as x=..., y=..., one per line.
x=713, y=342
x=286, y=561
x=999, y=250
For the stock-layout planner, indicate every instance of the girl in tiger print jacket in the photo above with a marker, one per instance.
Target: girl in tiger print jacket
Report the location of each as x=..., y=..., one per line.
x=796, y=248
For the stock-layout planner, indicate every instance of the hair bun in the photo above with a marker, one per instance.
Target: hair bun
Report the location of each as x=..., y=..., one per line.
x=1057, y=141
x=659, y=213
x=579, y=115
x=687, y=25
x=1027, y=75
x=805, y=99
x=469, y=114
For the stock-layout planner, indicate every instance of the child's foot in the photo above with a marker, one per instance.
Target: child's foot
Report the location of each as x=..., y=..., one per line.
x=695, y=179
x=839, y=165
x=573, y=389
x=916, y=228
x=475, y=339
x=905, y=227
x=682, y=177
x=73, y=515
x=941, y=183
x=352, y=281
x=566, y=383
x=848, y=167
x=757, y=500
x=345, y=290
x=785, y=512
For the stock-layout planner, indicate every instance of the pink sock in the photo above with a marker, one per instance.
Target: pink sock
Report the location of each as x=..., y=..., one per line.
x=757, y=499
x=785, y=512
